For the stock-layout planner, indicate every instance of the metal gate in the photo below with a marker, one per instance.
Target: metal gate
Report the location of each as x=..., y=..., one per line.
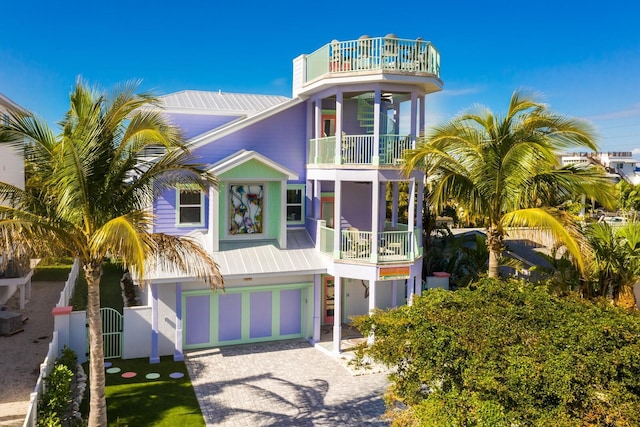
x=111, y=332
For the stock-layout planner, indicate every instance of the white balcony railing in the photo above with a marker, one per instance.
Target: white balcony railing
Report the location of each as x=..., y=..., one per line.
x=374, y=54
x=359, y=150
x=356, y=245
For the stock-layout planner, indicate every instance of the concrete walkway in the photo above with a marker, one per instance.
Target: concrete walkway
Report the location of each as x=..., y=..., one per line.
x=286, y=383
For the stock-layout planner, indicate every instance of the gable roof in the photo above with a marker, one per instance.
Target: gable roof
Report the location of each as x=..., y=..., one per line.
x=243, y=156
x=219, y=103
x=241, y=123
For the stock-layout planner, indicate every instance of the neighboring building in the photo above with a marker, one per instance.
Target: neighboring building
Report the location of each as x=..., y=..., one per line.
x=618, y=164
x=298, y=223
x=11, y=172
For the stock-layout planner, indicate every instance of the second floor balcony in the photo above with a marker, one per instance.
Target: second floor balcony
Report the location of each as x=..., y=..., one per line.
x=391, y=246
x=358, y=150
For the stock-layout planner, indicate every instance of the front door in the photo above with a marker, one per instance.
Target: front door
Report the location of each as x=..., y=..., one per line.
x=329, y=299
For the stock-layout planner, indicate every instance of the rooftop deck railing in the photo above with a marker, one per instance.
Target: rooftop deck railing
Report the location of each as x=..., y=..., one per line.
x=368, y=54
x=359, y=150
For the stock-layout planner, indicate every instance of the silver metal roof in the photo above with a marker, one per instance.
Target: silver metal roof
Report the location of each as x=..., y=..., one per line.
x=220, y=101
x=253, y=258
x=248, y=259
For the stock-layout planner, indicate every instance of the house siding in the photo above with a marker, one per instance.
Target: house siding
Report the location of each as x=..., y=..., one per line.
x=164, y=210
x=281, y=138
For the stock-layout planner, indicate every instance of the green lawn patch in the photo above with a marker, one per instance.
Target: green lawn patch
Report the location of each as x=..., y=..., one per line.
x=140, y=401
x=52, y=270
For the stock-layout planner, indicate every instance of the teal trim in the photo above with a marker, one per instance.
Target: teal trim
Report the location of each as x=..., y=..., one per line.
x=264, y=288
x=246, y=319
x=275, y=313
x=253, y=169
x=215, y=309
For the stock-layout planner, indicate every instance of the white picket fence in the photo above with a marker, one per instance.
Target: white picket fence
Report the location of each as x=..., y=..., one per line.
x=31, y=419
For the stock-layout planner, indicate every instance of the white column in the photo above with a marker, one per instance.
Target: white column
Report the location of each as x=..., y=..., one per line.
x=422, y=116
x=395, y=196
x=414, y=118
x=316, y=199
x=214, y=219
x=338, y=158
x=375, y=216
x=337, y=314
x=337, y=219
x=317, y=128
x=394, y=293
x=411, y=215
x=372, y=306
x=154, y=358
x=376, y=126
x=317, y=301
x=282, y=235
x=410, y=290
x=178, y=355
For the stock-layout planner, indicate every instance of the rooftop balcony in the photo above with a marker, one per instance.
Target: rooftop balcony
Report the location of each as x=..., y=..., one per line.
x=386, y=54
x=358, y=150
x=400, y=245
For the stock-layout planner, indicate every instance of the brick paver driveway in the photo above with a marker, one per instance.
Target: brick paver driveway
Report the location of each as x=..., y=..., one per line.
x=286, y=383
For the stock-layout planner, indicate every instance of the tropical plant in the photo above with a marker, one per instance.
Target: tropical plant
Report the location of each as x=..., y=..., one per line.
x=615, y=266
x=505, y=171
x=507, y=353
x=89, y=192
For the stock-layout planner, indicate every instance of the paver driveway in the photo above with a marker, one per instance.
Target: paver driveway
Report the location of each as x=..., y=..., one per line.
x=287, y=383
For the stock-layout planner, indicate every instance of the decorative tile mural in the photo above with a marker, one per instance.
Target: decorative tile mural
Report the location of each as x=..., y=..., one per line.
x=245, y=208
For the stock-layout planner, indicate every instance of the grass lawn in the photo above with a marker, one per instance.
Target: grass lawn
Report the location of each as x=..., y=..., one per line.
x=52, y=270
x=151, y=402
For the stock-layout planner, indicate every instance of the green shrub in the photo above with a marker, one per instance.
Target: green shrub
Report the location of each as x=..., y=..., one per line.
x=56, y=398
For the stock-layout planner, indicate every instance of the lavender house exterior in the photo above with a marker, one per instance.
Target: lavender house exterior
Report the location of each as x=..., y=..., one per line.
x=299, y=222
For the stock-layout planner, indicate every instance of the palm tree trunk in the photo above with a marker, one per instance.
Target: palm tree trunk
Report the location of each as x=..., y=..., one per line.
x=494, y=244
x=97, y=402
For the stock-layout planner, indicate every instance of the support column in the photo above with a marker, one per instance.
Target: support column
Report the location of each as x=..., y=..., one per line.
x=338, y=159
x=317, y=300
x=62, y=325
x=414, y=118
x=375, y=216
x=337, y=314
x=395, y=197
x=317, y=199
x=376, y=126
x=214, y=218
x=372, y=307
x=410, y=290
x=178, y=355
x=337, y=220
x=423, y=118
x=411, y=218
x=154, y=358
x=317, y=129
x=394, y=293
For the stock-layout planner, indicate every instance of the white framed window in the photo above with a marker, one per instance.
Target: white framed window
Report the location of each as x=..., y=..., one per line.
x=189, y=207
x=295, y=203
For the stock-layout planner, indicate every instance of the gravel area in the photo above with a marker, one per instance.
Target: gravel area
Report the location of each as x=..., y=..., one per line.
x=22, y=353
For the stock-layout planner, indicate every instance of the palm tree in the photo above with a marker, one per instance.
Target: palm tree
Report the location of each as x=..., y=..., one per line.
x=505, y=170
x=89, y=193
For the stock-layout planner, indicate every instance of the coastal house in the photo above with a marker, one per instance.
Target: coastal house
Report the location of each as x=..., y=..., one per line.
x=305, y=221
x=11, y=172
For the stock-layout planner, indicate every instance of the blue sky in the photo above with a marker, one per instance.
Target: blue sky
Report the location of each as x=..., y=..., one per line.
x=582, y=56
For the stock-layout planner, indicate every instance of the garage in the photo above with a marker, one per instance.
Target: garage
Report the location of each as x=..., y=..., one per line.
x=245, y=315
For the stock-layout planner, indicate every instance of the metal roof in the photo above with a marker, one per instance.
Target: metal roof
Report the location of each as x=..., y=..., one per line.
x=220, y=102
x=259, y=257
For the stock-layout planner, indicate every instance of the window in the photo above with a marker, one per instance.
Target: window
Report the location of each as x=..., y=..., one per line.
x=190, y=207
x=246, y=209
x=295, y=204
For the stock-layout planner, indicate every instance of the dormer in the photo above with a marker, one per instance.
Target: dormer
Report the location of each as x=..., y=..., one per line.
x=250, y=203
